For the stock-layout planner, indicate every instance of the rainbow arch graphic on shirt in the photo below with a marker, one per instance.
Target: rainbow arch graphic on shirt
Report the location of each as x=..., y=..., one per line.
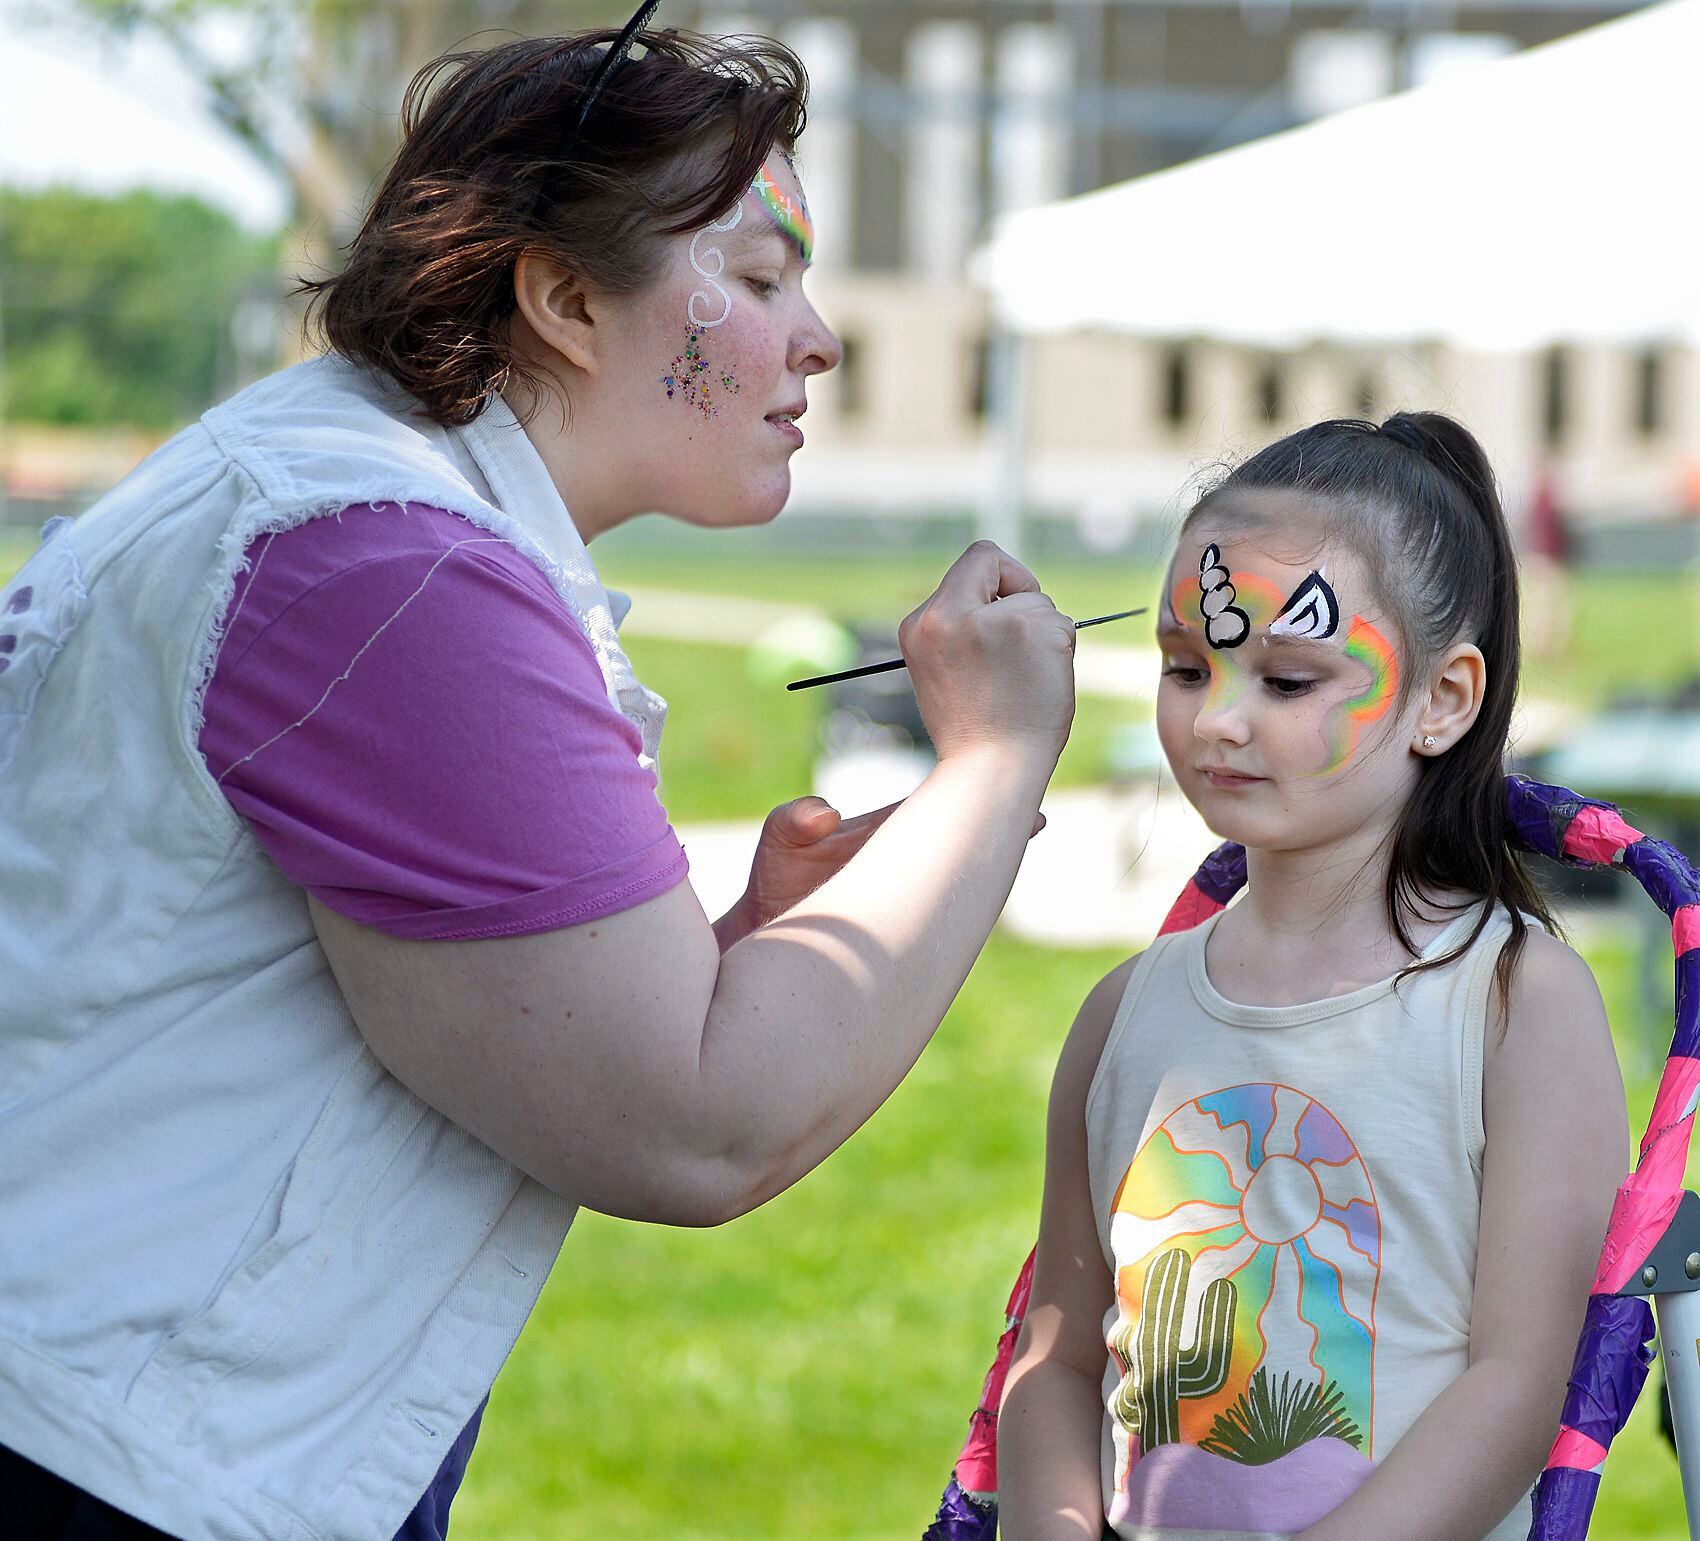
x=1260, y=1185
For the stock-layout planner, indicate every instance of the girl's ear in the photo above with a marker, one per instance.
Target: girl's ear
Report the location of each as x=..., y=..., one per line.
x=1454, y=698
x=554, y=305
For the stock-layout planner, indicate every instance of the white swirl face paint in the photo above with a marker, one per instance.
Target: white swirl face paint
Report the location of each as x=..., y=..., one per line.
x=709, y=263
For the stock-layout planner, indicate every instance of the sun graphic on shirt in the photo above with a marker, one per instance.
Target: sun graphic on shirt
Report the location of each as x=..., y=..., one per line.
x=1248, y=1251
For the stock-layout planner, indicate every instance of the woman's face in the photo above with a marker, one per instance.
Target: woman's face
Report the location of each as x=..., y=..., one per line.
x=710, y=371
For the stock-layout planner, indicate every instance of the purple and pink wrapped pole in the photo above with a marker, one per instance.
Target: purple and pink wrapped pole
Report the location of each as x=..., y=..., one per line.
x=1615, y=1349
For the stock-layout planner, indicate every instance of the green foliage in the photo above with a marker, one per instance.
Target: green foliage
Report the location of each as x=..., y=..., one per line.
x=118, y=310
x=1267, y=1422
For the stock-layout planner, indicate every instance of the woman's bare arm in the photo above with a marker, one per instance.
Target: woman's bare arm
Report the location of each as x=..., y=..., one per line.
x=630, y=1065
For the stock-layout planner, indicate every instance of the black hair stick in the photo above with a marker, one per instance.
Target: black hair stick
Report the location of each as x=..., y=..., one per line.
x=897, y=663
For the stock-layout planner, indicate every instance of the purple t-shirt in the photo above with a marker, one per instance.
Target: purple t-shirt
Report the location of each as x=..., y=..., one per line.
x=416, y=729
x=414, y=725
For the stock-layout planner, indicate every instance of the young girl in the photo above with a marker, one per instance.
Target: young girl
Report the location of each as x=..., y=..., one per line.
x=1327, y=1175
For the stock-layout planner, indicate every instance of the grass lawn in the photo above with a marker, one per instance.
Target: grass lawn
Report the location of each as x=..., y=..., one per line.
x=806, y=1373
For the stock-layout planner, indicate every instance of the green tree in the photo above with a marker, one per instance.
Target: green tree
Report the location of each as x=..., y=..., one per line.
x=120, y=310
x=340, y=66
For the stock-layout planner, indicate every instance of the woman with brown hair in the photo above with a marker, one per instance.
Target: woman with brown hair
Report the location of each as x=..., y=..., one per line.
x=347, y=945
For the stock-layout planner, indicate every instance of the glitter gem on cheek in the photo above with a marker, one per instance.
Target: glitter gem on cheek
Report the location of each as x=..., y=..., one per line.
x=696, y=381
x=1366, y=647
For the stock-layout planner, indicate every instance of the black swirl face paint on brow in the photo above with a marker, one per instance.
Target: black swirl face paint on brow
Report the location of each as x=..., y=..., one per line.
x=1225, y=624
x=1311, y=610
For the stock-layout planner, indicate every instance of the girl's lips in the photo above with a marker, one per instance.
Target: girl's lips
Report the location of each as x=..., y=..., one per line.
x=789, y=429
x=1229, y=779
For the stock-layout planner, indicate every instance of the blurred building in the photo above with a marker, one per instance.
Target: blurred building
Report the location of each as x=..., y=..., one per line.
x=930, y=117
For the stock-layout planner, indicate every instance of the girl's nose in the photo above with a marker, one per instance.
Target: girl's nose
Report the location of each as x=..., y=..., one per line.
x=1220, y=720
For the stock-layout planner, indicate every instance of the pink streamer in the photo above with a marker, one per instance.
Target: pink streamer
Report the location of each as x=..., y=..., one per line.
x=1644, y=1205
x=1193, y=908
x=1685, y=928
x=1577, y=1450
x=1675, y=1100
x=976, y=1469
x=1599, y=834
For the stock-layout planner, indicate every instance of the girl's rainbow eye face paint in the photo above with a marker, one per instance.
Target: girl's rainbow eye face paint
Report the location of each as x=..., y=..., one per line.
x=1366, y=647
x=1259, y=600
x=691, y=377
x=1263, y=602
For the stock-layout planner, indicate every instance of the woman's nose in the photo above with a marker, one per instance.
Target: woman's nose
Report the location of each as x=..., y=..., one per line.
x=815, y=348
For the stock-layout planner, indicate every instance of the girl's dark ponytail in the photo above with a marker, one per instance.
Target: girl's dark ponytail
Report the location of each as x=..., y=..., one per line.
x=1416, y=498
x=1455, y=831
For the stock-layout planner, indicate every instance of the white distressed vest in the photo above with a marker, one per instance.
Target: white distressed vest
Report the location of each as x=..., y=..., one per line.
x=250, y=1286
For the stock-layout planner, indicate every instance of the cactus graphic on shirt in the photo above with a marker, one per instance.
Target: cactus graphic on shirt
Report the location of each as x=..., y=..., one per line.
x=1159, y=1372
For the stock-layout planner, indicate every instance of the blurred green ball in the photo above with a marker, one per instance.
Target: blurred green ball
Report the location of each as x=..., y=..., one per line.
x=798, y=646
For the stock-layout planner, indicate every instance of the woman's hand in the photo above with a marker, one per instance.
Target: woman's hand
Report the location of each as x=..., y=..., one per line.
x=992, y=661
x=802, y=844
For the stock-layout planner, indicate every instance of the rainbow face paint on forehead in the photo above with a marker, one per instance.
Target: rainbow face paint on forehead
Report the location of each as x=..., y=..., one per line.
x=710, y=305
x=791, y=215
x=1256, y=598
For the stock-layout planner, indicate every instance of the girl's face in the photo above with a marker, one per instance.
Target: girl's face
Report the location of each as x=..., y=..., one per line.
x=1279, y=706
x=714, y=358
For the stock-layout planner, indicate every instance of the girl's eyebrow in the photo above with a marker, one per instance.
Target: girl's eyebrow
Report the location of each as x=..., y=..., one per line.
x=1302, y=647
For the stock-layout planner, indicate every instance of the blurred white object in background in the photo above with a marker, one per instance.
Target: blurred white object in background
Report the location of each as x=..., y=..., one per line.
x=1543, y=197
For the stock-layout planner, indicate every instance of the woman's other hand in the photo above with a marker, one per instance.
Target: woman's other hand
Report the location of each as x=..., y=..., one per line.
x=992, y=659
x=803, y=842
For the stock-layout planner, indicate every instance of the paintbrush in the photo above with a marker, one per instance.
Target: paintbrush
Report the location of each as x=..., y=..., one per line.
x=898, y=663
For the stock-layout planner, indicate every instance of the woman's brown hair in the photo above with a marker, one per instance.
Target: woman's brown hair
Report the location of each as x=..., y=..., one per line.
x=672, y=142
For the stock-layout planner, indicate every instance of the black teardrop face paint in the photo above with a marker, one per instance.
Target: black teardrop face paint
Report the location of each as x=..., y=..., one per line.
x=1311, y=611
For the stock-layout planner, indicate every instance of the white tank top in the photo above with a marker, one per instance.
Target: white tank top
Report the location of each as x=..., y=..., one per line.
x=1288, y=1199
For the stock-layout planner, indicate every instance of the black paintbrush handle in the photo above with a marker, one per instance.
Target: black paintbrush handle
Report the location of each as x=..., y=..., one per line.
x=897, y=663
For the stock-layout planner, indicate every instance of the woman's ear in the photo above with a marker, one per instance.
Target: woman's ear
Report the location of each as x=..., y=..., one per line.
x=553, y=303
x=1454, y=699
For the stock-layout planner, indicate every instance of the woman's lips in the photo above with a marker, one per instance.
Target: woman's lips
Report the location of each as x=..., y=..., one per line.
x=792, y=433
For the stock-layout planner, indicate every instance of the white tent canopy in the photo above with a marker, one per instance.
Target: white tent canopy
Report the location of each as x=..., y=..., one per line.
x=1553, y=195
